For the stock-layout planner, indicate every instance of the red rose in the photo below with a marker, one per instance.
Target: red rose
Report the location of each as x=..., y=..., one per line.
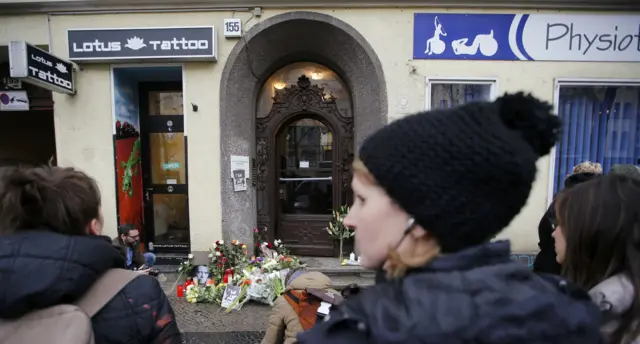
x=217, y=249
x=269, y=245
x=219, y=265
x=224, y=259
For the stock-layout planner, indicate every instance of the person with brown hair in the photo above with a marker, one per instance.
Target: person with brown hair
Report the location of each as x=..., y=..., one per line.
x=545, y=261
x=597, y=239
x=431, y=191
x=51, y=253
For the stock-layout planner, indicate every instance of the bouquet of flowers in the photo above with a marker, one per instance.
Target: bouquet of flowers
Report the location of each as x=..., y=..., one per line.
x=187, y=266
x=261, y=279
x=201, y=293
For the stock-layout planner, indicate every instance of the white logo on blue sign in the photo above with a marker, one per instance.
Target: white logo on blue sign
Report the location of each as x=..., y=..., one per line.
x=542, y=37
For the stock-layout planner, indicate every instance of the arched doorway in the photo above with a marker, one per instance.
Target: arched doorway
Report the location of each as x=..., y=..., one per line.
x=304, y=146
x=268, y=46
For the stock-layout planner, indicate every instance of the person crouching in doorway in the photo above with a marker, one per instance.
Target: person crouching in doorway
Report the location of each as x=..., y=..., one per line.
x=284, y=321
x=128, y=242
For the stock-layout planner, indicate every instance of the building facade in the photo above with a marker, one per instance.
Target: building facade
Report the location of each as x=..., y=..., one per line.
x=206, y=121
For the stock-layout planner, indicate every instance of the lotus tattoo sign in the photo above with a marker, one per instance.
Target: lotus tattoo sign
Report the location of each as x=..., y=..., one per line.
x=139, y=44
x=36, y=66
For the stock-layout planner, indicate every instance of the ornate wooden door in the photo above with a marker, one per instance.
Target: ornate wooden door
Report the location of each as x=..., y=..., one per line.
x=303, y=156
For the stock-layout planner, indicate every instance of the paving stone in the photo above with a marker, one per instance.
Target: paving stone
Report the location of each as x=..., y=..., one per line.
x=238, y=337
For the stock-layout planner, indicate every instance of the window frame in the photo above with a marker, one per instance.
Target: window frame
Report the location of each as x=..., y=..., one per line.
x=560, y=82
x=430, y=80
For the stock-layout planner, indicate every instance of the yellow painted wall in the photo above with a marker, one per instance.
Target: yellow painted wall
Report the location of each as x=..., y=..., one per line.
x=31, y=28
x=83, y=122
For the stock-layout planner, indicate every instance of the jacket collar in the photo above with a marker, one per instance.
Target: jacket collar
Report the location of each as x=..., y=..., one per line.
x=498, y=252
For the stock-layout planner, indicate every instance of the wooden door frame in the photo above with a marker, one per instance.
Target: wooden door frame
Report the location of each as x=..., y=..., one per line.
x=143, y=105
x=302, y=100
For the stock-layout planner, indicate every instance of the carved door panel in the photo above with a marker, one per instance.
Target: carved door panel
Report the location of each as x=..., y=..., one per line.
x=304, y=153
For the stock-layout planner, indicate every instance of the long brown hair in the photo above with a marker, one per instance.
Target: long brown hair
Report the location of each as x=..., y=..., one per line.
x=62, y=200
x=600, y=220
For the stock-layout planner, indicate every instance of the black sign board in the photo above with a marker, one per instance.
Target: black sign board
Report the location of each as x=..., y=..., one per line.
x=135, y=44
x=38, y=67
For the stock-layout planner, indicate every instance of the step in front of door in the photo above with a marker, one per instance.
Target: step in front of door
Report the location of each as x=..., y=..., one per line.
x=173, y=259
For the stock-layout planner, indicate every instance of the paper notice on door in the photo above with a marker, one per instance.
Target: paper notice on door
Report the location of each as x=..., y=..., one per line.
x=304, y=164
x=172, y=181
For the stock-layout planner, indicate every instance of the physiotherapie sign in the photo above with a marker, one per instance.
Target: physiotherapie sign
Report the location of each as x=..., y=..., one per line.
x=135, y=44
x=36, y=66
x=534, y=37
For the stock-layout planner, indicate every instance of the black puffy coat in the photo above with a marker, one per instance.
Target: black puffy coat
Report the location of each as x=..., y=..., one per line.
x=475, y=296
x=39, y=269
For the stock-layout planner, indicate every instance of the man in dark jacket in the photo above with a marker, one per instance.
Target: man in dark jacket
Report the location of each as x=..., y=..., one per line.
x=128, y=242
x=545, y=261
x=39, y=269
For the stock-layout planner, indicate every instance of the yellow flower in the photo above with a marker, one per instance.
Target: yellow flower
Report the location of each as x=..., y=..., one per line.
x=244, y=246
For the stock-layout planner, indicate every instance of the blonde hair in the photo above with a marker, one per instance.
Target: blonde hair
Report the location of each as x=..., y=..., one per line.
x=588, y=167
x=397, y=264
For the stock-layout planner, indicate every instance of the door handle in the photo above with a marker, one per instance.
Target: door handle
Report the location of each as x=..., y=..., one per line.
x=146, y=194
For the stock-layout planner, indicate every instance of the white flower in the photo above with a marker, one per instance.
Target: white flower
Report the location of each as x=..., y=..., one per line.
x=210, y=255
x=190, y=256
x=217, y=254
x=221, y=242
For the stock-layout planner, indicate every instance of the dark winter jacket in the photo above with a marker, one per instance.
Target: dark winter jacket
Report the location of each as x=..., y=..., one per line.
x=138, y=259
x=546, y=259
x=475, y=296
x=39, y=269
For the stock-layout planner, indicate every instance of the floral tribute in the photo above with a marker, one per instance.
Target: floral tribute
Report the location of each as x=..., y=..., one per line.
x=259, y=277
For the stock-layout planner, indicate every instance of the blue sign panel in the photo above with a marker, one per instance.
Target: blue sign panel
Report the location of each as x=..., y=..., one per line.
x=540, y=37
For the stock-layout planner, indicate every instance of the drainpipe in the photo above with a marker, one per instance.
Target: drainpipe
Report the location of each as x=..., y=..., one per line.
x=48, y=17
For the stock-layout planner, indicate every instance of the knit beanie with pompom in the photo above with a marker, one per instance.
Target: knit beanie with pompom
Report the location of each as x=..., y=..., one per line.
x=463, y=173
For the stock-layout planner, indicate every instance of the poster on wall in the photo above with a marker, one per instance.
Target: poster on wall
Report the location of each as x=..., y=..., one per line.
x=239, y=172
x=128, y=151
x=527, y=37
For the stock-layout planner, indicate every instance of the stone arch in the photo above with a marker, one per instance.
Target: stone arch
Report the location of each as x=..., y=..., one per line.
x=265, y=48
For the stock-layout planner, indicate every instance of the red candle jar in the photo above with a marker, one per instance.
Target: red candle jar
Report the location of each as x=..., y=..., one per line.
x=180, y=290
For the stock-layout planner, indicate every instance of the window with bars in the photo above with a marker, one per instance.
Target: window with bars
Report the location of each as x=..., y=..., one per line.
x=600, y=124
x=447, y=94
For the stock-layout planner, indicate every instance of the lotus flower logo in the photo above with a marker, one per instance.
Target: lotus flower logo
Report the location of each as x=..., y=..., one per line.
x=135, y=43
x=61, y=68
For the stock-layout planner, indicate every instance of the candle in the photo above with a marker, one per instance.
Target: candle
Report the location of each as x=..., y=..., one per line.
x=352, y=257
x=180, y=290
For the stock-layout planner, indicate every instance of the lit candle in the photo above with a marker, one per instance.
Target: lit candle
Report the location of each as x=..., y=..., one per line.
x=352, y=257
x=180, y=290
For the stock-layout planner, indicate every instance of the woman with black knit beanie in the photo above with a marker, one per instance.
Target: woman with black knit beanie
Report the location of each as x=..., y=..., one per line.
x=431, y=191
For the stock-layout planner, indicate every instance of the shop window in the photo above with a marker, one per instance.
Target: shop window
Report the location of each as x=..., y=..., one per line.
x=442, y=94
x=600, y=124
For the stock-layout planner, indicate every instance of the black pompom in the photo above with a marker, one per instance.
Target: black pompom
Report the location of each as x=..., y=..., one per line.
x=531, y=117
